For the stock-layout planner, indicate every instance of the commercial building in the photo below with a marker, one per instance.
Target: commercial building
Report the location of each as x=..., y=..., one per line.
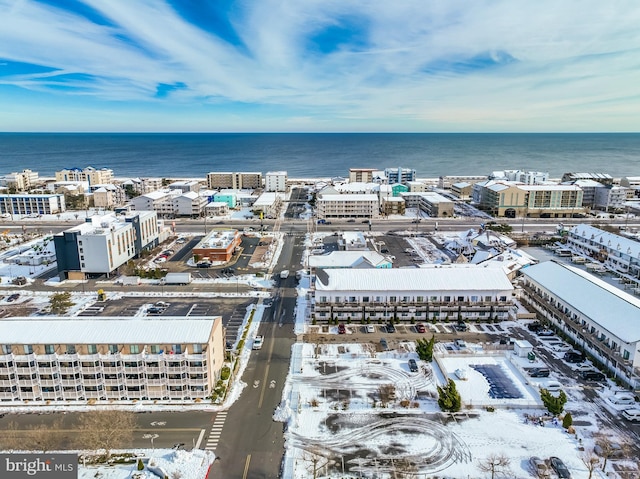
x=234, y=181
x=89, y=175
x=104, y=243
x=71, y=359
x=276, y=181
x=597, y=316
x=352, y=241
x=218, y=245
x=436, y=292
x=349, y=259
x=26, y=204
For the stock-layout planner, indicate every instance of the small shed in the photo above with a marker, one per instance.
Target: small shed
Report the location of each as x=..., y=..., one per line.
x=522, y=348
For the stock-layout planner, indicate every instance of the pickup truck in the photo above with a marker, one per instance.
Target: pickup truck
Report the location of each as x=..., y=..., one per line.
x=257, y=343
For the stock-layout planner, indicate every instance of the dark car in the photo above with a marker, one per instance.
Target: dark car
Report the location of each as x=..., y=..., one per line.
x=561, y=470
x=420, y=328
x=539, y=373
x=384, y=250
x=351, y=220
x=203, y=264
x=13, y=297
x=592, y=376
x=413, y=366
x=573, y=357
x=383, y=343
x=227, y=271
x=391, y=328
x=461, y=326
x=534, y=327
x=544, y=332
x=341, y=329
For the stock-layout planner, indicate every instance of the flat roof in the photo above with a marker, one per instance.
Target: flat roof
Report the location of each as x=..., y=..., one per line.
x=613, y=309
x=349, y=197
x=217, y=239
x=432, y=278
x=116, y=330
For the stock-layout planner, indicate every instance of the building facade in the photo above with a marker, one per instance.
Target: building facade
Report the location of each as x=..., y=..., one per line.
x=234, y=180
x=364, y=206
x=68, y=359
x=22, y=181
x=435, y=205
x=104, y=243
x=400, y=175
x=598, y=317
x=32, y=204
x=89, y=175
x=438, y=293
x=218, y=245
x=276, y=181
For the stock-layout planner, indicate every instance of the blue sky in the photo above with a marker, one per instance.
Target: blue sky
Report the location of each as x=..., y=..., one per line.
x=320, y=65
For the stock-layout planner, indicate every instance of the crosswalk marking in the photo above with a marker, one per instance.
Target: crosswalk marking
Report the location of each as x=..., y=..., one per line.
x=216, y=431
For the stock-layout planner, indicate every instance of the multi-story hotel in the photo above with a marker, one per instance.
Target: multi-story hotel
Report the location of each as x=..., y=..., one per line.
x=235, y=181
x=109, y=358
x=104, y=243
x=600, y=318
x=89, y=174
x=438, y=292
x=347, y=206
x=32, y=204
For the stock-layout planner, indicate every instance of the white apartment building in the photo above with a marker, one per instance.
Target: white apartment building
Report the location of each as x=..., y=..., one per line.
x=268, y=204
x=161, y=201
x=142, y=185
x=190, y=204
x=185, y=186
x=600, y=318
x=71, y=359
x=89, y=175
x=437, y=292
x=26, y=204
x=615, y=252
x=21, y=181
x=276, y=181
x=108, y=196
x=611, y=198
x=347, y=206
x=104, y=243
x=435, y=205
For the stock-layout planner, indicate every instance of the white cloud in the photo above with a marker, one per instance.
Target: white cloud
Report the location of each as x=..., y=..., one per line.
x=573, y=60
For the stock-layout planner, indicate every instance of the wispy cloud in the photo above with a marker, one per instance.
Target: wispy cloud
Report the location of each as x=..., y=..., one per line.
x=439, y=65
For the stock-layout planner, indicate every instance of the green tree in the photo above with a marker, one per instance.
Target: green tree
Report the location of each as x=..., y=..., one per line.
x=424, y=348
x=554, y=404
x=59, y=303
x=449, y=397
x=567, y=421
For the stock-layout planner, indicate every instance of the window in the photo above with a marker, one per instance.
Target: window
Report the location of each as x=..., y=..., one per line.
x=197, y=348
x=71, y=349
x=447, y=299
x=419, y=299
x=392, y=299
x=625, y=355
x=28, y=349
x=6, y=349
x=113, y=348
x=323, y=299
x=92, y=349
x=365, y=299
x=176, y=349
x=134, y=349
x=49, y=349
x=155, y=349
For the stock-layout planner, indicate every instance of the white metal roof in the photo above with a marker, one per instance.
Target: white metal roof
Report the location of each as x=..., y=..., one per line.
x=609, y=240
x=345, y=259
x=107, y=330
x=613, y=309
x=434, y=278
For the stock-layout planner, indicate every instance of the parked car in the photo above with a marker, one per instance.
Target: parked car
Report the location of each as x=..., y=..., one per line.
x=181, y=241
x=592, y=376
x=573, y=357
x=534, y=327
x=413, y=366
x=632, y=414
x=420, y=328
x=545, y=332
x=341, y=329
x=385, y=346
x=203, y=264
x=461, y=326
x=384, y=250
x=13, y=297
x=391, y=328
x=539, y=373
x=227, y=271
x=539, y=467
x=622, y=400
x=561, y=470
x=371, y=328
x=551, y=386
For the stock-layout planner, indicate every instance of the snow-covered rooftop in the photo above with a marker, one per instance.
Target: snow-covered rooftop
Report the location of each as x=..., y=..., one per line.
x=610, y=240
x=346, y=259
x=434, y=278
x=612, y=308
x=67, y=330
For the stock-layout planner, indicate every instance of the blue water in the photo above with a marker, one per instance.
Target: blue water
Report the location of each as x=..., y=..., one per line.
x=321, y=155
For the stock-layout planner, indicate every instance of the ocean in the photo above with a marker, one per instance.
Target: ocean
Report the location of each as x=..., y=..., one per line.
x=305, y=155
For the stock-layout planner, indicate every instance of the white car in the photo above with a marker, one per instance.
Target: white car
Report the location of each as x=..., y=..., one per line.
x=622, y=400
x=632, y=414
x=551, y=386
x=371, y=328
x=257, y=343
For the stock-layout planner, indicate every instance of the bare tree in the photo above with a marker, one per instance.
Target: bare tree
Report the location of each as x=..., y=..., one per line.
x=315, y=462
x=46, y=437
x=496, y=464
x=591, y=461
x=607, y=449
x=105, y=430
x=13, y=437
x=386, y=393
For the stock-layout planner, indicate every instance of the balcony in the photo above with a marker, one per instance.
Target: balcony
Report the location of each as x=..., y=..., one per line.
x=8, y=395
x=113, y=370
x=8, y=382
x=92, y=382
x=156, y=381
x=49, y=382
x=70, y=382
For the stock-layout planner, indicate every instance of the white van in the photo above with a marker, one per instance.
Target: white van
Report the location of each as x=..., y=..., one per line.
x=632, y=414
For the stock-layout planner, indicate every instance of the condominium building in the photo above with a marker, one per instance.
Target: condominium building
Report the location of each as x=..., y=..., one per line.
x=104, y=243
x=190, y=204
x=276, y=181
x=611, y=198
x=26, y=204
x=392, y=206
x=435, y=205
x=347, y=206
x=21, y=181
x=445, y=182
x=163, y=202
x=142, y=185
x=361, y=175
x=268, y=204
x=599, y=317
x=235, y=181
x=400, y=175
x=108, y=196
x=89, y=175
x=185, y=186
x=462, y=190
x=615, y=252
x=604, y=178
x=67, y=359
x=466, y=292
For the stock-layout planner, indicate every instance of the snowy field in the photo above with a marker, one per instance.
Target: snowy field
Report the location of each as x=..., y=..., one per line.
x=341, y=423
